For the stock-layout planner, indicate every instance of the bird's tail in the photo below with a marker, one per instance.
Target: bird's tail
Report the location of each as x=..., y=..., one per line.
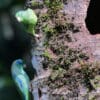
x=27, y=97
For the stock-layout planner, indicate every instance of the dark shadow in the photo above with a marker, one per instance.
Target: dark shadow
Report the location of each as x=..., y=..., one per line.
x=93, y=17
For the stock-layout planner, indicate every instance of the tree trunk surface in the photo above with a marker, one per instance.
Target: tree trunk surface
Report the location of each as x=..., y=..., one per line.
x=79, y=78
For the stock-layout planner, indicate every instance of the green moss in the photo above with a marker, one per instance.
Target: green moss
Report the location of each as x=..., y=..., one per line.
x=67, y=63
x=47, y=2
x=58, y=73
x=94, y=96
x=49, y=30
x=62, y=98
x=36, y=3
x=88, y=75
x=96, y=82
x=54, y=6
x=45, y=17
x=46, y=54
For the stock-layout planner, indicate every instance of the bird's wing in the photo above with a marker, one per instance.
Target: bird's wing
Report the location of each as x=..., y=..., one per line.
x=21, y=83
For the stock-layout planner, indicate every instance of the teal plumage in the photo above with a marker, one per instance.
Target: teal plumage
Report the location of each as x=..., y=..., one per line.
x=21, y=78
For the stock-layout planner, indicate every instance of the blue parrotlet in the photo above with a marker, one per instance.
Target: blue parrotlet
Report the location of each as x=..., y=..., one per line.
x=20, y=78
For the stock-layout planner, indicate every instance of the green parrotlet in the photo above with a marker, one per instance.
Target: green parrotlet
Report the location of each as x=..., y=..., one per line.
x=28, y=18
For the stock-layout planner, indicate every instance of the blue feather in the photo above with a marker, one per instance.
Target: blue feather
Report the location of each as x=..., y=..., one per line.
x=19, y=61
x=20, y=77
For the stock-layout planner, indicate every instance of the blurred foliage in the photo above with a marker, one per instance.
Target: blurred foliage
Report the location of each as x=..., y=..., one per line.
x=5, y=3
x=8, y=89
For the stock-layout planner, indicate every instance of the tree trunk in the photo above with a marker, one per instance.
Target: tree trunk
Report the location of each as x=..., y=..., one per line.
x=71, y=56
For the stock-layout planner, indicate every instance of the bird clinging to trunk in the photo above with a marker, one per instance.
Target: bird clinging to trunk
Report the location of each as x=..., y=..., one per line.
x=20, y=78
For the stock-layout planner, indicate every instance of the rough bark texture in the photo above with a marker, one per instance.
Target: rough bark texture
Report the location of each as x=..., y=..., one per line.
x=72, y=54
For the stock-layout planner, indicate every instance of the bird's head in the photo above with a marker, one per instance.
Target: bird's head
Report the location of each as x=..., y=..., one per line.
x=20, y=62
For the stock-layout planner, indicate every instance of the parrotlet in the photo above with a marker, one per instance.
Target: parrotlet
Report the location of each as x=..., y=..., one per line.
x=20, y=78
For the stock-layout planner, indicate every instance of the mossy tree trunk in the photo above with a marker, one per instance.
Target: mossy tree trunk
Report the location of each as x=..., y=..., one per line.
x=69, y=64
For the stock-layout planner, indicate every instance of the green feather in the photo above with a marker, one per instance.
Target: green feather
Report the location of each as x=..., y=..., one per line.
x=28, y=18
x=20, y=78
